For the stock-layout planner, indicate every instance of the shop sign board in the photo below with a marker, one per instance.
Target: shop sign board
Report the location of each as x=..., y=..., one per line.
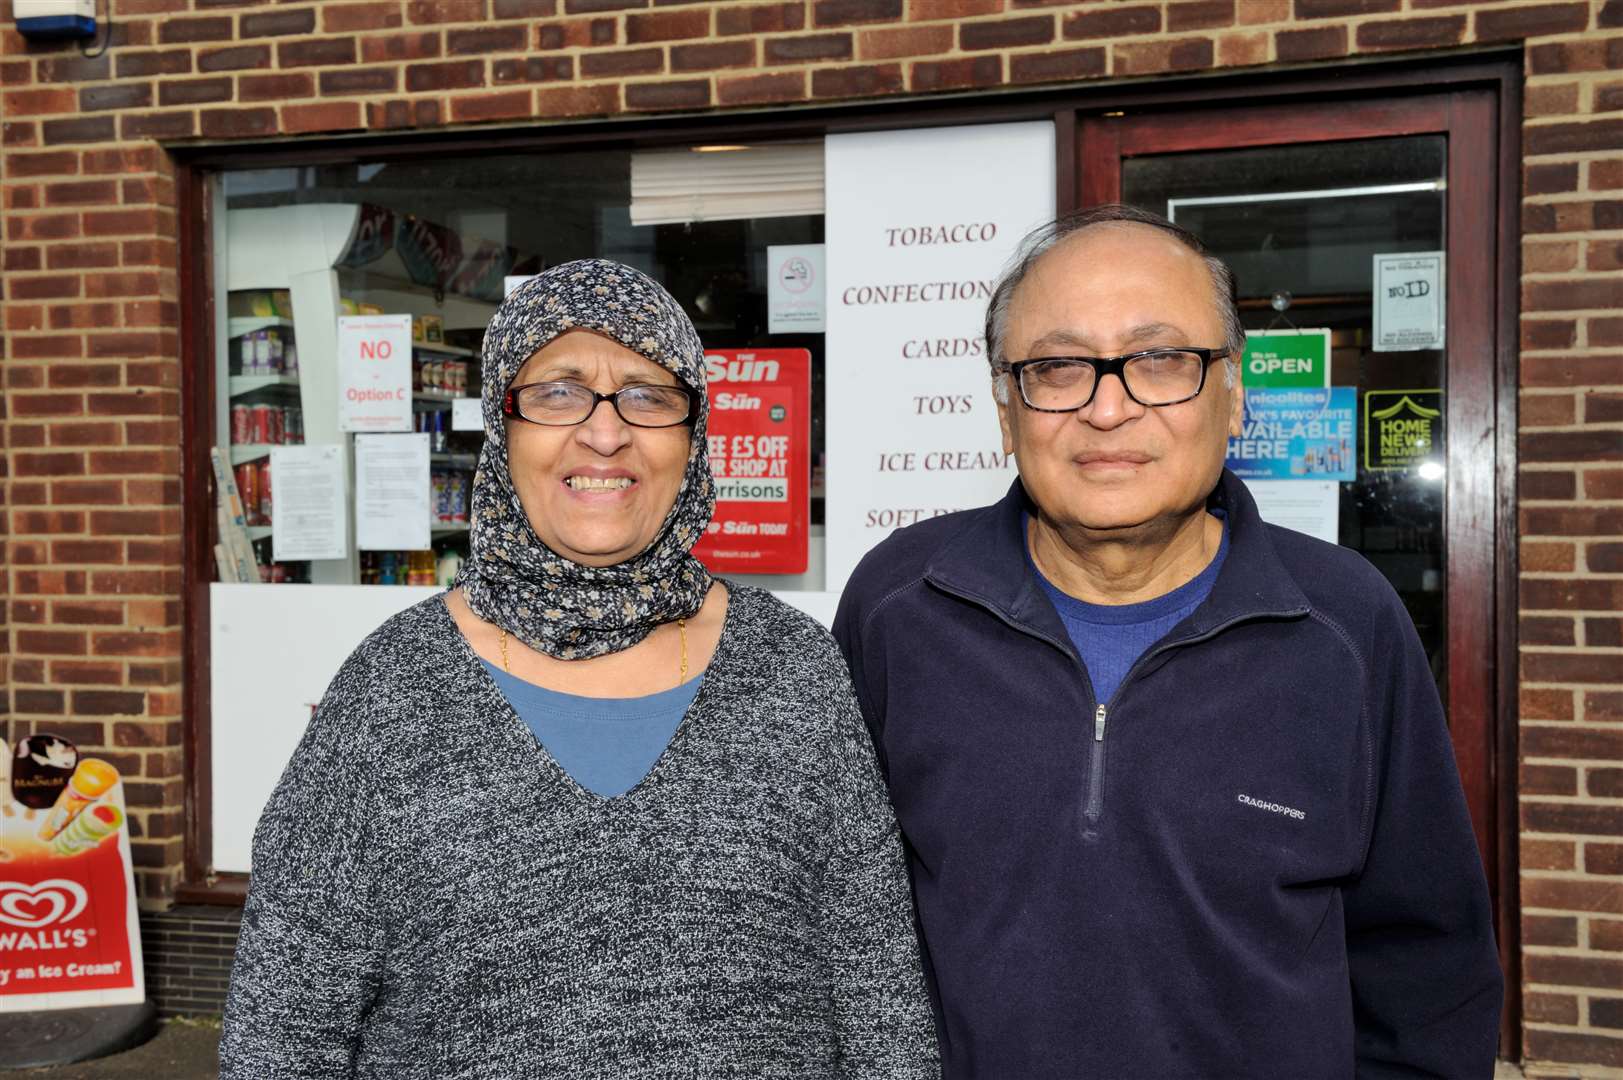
x=1297, y=434
x=392, y=492
x=918, y=229
x=1410, y=311
x=1286, y=358
x=760, y=453
x=374, y=373
x=795, y=289
x=69, y=937
x=307, y=491
x=1402, y=428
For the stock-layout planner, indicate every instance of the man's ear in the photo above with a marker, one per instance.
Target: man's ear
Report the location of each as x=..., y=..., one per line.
x=1237, y=408
x=1004, y=420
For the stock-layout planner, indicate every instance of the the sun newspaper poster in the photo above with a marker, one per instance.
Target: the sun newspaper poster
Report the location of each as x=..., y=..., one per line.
x=68, y=931
x=760, y=453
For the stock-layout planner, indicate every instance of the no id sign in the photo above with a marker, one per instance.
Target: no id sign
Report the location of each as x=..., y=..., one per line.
x=374, y=373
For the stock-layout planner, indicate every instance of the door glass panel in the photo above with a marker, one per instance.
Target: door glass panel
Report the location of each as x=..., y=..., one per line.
x=1302, y=224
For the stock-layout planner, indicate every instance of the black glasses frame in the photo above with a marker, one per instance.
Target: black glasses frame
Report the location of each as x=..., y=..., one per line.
x=510, y=403
x=1117, y=366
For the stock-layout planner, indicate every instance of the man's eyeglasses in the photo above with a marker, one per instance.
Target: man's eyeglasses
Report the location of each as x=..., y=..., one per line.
x=562, y=404
x=1153, y=377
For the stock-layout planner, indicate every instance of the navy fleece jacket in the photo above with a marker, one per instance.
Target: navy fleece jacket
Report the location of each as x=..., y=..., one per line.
x=1255, y=859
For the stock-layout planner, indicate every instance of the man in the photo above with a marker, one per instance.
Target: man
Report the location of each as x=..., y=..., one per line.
x=1176, y=787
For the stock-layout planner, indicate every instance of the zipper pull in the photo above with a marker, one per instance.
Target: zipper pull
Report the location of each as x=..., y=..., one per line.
x=1099, y=724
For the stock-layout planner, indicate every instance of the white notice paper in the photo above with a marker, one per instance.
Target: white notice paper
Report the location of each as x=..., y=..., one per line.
x=1410, y=312
x=1308, y=506
x=513, y=281
x=307, y=492
x=466, y=414
x=911, y=265
x=374, y=373
x=391, y=492
x=795, y=289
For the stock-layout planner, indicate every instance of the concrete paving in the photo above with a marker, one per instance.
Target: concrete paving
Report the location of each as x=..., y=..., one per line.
x=182, y=1050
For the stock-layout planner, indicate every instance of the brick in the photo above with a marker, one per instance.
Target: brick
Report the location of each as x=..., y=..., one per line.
x=667, y=26
x=94, y=672
x=315, y=52
x=928, y=10
x=1604, y=255
x=1606, y=934
x=88, y=613
x=522, y=9
x=1550, y=100
x=1550, y=1008
x=80, y=192
x=1053, y=65
x=445, y=11
x=1547, y=410
x=503, y=105
x=1550, y=179
x=1112, y=22
x=1547, y=484
x=1604, y=783
x=19, y=133
x=687, y=94
x=564, y=101
x=402, y=113
x=419, y=46
x=43, y=163
x=126, y=733
x=1199, y=15
x=534, y=69
x=1608, y=97
x=759, y=18
x=1569, y=894
x=1603, y=707
x=87, y=129
x=109, y=703
x=1006, y=33
x=75, y=69
x=577, y=7
x=1149, y=57
x=1548, y=855
x=234, y=58
x=78, y=376
x=1569, y=741
x=50, y=642
x=195, y=91
x=115, y=96
x=190, y=30
x=359, y=80
x=1412, y=33
x=278, y=87
x=1573, y=295
x=278, y=23
x=345, y=18
x=1571, y=138
x=50, y=583
x=907, y=41
x=1586, y=445
x=712, y=56
x=868, y=80
x=1531, y=20
x=1610, y=15
x=1573, y=818
x=1570, y=370
x=1549, y=333
x=1604, y=633
x=807, y=47
x=1605, y=175
x=1603, y=408
x=577, y=33
x=327, y=116
x=1547, y=630
x=46, y=464
x=451, y=75
x=28, y=700
x=1333, y=9
x=1319, y=43
x=770, y=88
x=486, y=40
x=957, y=74
x=844, y=12
x=1548, y=780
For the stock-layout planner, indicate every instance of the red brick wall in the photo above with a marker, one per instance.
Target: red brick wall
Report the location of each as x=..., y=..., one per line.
x=91, y=312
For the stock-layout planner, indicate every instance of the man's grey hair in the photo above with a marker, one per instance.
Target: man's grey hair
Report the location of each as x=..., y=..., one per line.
x=1045, y=238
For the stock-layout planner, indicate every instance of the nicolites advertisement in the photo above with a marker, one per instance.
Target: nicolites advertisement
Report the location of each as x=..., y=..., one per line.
x=68, y=930
x=760, y=453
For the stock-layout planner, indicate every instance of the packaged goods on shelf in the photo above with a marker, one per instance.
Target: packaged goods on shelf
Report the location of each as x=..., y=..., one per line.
x=433, y=329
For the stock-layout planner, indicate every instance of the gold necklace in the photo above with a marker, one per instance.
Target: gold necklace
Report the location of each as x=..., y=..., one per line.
x=681, y=629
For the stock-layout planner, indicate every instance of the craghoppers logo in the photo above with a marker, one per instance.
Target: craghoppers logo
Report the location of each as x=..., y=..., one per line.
x=31, y=907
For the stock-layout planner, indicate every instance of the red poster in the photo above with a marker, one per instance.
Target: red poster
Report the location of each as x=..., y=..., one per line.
x=760, y=452
x=68, y=930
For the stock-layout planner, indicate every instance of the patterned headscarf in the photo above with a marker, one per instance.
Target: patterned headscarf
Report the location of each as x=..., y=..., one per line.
x=512, y=579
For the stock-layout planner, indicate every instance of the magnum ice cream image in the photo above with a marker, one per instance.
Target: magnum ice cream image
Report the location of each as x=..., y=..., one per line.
x=40, y=770
x=89, y=782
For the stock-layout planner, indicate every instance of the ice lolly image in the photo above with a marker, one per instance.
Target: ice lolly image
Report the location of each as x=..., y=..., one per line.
x=88, y=829
x=89, y=782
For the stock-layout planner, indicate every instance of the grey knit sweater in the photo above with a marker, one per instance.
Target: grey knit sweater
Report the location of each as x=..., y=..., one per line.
x=434, y=896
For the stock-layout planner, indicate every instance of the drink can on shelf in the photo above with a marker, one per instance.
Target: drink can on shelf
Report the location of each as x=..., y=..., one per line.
x=241, y=425
x=264, y=492
x=248, y=489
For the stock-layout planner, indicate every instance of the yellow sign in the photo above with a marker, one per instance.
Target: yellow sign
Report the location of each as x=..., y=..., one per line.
x=1402, y=428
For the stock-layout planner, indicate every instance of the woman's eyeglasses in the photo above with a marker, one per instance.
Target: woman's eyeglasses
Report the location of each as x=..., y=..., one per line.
x=562, y=404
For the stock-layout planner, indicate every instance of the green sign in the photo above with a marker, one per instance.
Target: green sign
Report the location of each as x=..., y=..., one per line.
x=1402, y=428
x=1286, y=358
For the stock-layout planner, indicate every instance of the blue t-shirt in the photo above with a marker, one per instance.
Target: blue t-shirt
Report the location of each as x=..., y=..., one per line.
x=607, y=744
x=1111, y=637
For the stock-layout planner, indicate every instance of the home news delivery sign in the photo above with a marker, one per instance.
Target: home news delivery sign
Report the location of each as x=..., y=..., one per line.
x=760, y=453
x=912, y=425
x=374, y=373
x=68, y=931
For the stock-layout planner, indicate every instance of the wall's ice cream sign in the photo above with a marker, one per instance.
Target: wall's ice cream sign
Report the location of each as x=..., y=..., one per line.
x=68, y=931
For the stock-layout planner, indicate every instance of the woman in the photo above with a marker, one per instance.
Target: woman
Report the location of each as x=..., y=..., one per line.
x=591, y=813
